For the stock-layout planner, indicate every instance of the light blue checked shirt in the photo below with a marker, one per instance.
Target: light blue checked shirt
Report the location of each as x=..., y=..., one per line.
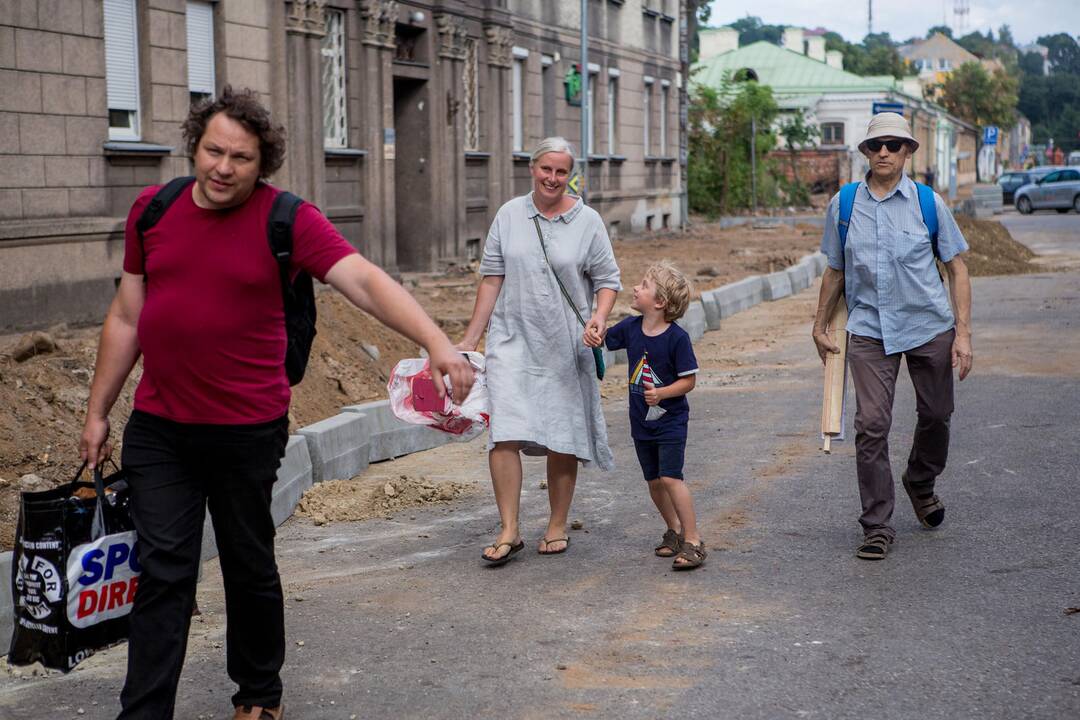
x=893, y=289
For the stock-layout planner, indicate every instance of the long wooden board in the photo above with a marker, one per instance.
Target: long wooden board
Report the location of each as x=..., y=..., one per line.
x=832, y=405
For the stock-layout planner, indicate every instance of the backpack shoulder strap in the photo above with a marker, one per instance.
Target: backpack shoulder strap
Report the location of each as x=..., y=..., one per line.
x=279, y=232
x=159, y=205
x=928, y=207
x=847, y=204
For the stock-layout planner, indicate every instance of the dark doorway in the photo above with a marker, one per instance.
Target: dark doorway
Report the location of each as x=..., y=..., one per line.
x=412, y=175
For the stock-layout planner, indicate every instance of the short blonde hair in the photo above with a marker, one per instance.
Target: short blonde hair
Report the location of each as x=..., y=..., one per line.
x=550, y=145
x=672, y=288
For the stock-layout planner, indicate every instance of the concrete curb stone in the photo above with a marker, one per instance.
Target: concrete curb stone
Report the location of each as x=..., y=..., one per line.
x=339, y=446
x=389, y=437
x=801, y=275
x=693, y=321
x=776, y=285
x=738, y=296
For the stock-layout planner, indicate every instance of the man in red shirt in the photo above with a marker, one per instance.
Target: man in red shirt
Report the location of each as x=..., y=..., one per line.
x=200, y=299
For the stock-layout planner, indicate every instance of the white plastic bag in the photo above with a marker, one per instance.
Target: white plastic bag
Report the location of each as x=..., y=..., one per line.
x=464, y=421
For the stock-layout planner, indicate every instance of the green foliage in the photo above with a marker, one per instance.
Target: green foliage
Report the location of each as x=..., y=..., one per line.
x=1031, y=64
x=719, y=167
x=1052, y=104
x=798, y=134
x=751, y=30
x=943, y=29
x=982, y=99
x=1064, y=53
x=877, y=55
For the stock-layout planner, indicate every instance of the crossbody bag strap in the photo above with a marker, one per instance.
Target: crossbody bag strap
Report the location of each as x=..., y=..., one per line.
x=569, y=300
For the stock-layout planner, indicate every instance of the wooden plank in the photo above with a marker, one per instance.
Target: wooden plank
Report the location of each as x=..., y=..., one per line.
x=832, y=405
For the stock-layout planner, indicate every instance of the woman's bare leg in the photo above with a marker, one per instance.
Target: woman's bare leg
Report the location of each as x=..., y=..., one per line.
x=562, y=478
x=504, y=463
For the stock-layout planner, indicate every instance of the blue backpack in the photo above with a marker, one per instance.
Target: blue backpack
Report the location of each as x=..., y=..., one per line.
x=926, y=205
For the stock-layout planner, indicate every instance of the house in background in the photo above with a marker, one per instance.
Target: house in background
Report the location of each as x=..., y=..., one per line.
x=409, y=123
x=841, y=105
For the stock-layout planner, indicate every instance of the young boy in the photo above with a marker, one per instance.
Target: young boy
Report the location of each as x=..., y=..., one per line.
x=662, y=371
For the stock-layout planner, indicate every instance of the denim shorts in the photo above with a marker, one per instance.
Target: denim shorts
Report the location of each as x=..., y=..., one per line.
x=661, y=458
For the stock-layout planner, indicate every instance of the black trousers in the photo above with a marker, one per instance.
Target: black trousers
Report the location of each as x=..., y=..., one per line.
x=176, y=470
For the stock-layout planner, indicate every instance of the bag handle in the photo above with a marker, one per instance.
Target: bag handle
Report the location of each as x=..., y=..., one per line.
x=565, y=294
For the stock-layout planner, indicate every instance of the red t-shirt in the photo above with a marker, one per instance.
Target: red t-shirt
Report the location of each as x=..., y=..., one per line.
x=212, y=329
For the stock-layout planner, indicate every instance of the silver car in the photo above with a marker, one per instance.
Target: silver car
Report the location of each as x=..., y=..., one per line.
x=1059, y=190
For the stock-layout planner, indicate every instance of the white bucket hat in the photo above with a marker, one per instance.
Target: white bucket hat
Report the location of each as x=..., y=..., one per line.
x=889, y=124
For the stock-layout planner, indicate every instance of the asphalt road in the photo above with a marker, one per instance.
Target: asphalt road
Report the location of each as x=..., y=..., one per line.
x=399, y=619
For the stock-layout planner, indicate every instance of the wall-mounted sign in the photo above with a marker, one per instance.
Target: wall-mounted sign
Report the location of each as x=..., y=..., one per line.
x=880, y=107
x=572, y=82
x=990, y=135
x=389, y=149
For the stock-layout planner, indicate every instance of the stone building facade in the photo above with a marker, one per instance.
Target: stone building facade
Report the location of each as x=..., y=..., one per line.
x=409, y=122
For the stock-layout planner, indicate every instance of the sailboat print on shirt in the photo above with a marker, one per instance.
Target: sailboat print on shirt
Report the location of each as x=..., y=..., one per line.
x=643, y=373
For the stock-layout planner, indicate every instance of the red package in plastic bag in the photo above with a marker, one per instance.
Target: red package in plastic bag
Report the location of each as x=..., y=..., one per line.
x=414, y=399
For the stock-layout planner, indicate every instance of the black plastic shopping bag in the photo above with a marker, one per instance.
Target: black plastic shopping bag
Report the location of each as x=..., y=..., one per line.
x=74, y=571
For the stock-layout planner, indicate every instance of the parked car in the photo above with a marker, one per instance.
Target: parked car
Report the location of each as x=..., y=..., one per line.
x=1059, y=190
x=1074, y=158
x=1013, y=180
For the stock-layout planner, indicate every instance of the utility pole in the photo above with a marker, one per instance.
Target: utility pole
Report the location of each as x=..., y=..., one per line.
x=753, y=163
x=684, y=109
x=584, y=98
x=869, y=17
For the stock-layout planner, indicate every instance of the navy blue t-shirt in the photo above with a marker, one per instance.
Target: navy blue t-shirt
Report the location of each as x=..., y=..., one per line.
x=660, y=360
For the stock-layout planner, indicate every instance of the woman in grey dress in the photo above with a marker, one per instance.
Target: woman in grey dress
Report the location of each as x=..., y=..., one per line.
x=545, y=399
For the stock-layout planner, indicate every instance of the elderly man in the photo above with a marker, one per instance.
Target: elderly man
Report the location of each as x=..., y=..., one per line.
x=897, y=305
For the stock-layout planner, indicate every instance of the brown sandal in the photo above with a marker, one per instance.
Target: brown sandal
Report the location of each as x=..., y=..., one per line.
x=873, y=547
x=502, y=559
x=929, y=510
x=692, y=556
x=670, y=545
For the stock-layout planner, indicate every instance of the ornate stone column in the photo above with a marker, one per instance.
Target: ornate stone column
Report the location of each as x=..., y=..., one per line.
x=377, y=19
x=499, y=59
x=305, y=26
x=448, y=151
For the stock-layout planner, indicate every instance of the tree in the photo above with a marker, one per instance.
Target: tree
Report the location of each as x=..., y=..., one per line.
x=943, y=29
x=751, y=30
x=978, y=44
x=1005, y=37
x=877, y=55
x=698, y=13
x=1064, y=53
x=719, y=167
x=798, y=134
x=1052, y=104
x=982, y=99
x=1031, y=63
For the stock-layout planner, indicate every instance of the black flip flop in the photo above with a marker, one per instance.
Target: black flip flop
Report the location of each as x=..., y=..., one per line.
x=502, y=559
x=548, y=542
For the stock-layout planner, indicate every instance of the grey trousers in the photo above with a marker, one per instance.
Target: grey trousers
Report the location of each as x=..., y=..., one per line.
x=874, y=373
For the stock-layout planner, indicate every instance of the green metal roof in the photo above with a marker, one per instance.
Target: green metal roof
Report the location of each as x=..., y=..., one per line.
x=788, y=73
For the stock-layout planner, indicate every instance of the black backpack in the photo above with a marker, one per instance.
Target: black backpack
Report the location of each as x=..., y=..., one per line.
x=298, y=295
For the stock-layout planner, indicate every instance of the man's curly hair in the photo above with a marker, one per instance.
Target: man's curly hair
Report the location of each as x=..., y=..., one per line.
x=243, y=106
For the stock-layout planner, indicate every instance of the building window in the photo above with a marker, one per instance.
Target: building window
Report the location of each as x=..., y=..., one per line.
x=832, y=133
x=646, y=108
x=547, y=81
x=612, y=112
x=122, y=69
x=943, y=63
x=665, y=87
x=470, y=76
x=517, y=90
x=200, y=50
x=335, y=124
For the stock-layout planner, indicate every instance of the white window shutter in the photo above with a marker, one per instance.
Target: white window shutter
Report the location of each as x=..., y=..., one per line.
x=200, y=47
x=121, y=55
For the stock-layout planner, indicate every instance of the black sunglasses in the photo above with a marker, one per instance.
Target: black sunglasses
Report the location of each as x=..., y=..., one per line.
x=892, y=145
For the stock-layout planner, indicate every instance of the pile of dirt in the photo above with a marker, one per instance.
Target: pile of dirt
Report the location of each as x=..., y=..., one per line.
x=993, y=250
x=364, y=497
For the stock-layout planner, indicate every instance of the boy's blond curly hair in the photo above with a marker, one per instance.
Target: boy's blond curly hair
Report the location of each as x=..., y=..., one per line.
x=672, y=288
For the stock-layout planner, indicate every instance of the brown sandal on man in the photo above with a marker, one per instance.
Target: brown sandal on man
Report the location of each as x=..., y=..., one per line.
x=255, y=712
x=690, y=556
x=928, y=506
x=670, y=545
x=546, y=542
x=873, y=547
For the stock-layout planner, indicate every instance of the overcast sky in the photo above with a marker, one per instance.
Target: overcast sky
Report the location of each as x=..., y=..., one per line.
x=906, y=18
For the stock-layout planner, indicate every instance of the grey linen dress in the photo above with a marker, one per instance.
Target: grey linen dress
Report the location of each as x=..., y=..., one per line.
x=541, y=377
